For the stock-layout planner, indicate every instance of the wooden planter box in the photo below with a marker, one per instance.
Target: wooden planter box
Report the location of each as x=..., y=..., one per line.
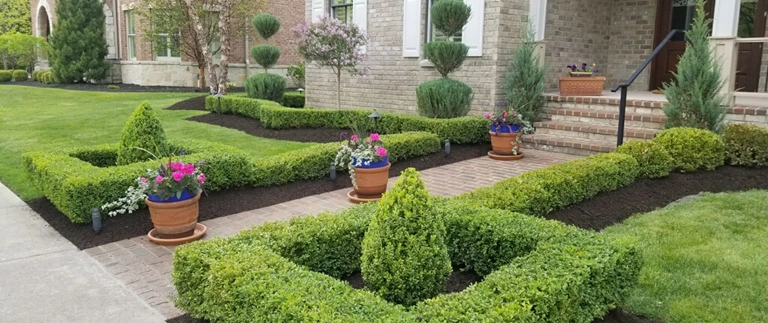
x=581, y=85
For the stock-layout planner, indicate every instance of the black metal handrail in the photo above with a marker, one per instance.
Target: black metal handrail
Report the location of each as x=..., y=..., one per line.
x=625, y=85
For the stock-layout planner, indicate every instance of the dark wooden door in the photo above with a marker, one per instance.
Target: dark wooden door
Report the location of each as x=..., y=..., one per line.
x=678, y=14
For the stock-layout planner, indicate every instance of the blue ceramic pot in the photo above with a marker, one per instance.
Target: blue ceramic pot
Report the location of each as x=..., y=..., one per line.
x=377, y=164
x=185, y=195
x=505, y=129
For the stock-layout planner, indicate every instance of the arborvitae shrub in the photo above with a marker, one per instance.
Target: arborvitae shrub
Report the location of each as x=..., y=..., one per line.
x=654, y=160
x=20, y=75
x=450, y=16
x=526, y=80
x=444, y=98
x=78, y=45
x=266, y=86
x=692, y=149
x=746, y=144
x=265, y=55
x=143, y=130
x=447, y=56
x=266, y=25
x=6, y=76
x=404, y=258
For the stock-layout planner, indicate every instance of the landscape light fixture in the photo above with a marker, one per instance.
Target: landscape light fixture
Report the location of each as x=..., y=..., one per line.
x=300, y=90
x=218, y=96
x=375, y=116
x=333, y=171
x=96, y=220
x=447, y=147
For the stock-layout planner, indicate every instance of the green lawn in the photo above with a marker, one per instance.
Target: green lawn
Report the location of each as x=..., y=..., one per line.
x=43, y=119
x=706, y=260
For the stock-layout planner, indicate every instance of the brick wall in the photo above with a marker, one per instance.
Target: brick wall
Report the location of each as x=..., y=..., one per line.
x=391, y=84
x=631, y=41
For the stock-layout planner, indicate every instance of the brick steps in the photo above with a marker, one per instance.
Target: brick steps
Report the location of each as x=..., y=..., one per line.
x=591, y=131
x=572, y=146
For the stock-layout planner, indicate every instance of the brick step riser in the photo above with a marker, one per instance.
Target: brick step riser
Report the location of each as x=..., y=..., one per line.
x=606, y=122
x=584, y=135
x=604, y=107
x=558, y=149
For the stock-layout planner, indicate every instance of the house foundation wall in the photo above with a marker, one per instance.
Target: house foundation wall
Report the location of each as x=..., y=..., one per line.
x=152, y=73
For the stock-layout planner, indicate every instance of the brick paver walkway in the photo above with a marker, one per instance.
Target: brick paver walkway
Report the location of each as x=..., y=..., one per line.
x=145, y=267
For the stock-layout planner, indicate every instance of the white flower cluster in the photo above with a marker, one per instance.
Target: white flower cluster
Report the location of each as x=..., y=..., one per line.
x=133, y=196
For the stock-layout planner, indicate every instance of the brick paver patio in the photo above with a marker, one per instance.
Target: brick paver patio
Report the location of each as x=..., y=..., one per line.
x=145, y=267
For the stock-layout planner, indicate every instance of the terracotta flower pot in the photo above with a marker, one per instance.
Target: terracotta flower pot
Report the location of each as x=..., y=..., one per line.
x=582, y=85
x=371, y=182
x=174, y=219
x=503, y=143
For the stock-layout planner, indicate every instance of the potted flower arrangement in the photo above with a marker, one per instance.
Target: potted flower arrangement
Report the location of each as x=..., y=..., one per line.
x=581, y=81
x=368, y=164
x=507, y=129
x=171, y=192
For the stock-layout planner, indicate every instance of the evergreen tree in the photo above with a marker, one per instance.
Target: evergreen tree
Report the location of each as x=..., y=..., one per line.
x=143, y=130
x=78, y=43
x=525, y=81
x=14, y=17
x=694, y=99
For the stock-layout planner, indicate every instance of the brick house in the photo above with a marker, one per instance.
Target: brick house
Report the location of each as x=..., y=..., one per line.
x=617, y=35
x=137, y=61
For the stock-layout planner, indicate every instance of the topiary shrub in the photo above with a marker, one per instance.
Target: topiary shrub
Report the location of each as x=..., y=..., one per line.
x=20, y=75
x=266, y=25
x=447, y=56
x=746, y=144
x=265, y=55
x=654, y=160
x=692, y=149
x=444, y=98
x=404, y=257
x=143, y=130
x=6, y=76
x=266, y=86
x=450, y=16
x=294, y=100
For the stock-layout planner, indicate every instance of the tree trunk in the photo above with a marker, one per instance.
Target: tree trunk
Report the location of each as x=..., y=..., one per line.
x=225, y=17
x=212, y=70
x=201, y=75
x=338, y=90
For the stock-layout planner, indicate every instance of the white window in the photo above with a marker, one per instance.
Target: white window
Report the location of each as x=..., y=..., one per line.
x=212, y=28
x=432, y=33
x=167, y=47
x=472, y=35
x=342, y=10
x=130, y=28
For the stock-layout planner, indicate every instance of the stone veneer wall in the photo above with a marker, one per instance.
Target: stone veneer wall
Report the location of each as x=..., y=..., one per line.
x=183, y=73
x=632, y=30
x=392, y=81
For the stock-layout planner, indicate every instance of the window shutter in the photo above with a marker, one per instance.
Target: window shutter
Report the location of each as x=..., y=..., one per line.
x=317, y=10
x=411, y=28
x=360, y=16
x=473, y=31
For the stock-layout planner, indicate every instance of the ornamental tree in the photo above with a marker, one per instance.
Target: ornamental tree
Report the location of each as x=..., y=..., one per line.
x=335, y=44
x=78, y=43
x=17, y=50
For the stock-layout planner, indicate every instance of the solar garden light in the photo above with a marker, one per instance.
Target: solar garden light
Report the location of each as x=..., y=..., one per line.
x=375, y=116
x=300, y=90
x=447, y=147
x=96, y=220
x=218, y=96
x=333, y=171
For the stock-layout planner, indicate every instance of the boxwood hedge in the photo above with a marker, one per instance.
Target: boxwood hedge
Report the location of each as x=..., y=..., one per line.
x=81, y=179
x=465, y=130
x=534, y=270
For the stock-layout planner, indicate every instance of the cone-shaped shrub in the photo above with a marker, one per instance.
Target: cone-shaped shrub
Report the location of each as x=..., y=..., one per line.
x=266, y=25
x=405, y=259
x=444, y=98
x=266, y=86
x=265, y=55
x=447, y=56
x=143, y=130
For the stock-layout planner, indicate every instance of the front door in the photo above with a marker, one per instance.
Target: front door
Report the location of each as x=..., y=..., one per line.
x=678, y=14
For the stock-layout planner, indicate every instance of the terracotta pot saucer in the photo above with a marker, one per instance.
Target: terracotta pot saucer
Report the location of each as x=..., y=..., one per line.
x=198, y=233
x=496, y=156
x=361, y=199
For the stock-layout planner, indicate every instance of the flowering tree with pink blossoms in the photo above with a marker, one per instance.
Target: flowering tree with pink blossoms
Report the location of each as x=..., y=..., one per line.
x=335, y=44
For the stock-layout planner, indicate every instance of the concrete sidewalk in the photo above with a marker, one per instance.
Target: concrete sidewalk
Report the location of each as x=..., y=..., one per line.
x=45, y=278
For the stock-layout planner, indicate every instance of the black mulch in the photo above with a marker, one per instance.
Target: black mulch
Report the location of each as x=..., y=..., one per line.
x=196, y=103
x=255, y=128
x=222, y=203
x=457, y=281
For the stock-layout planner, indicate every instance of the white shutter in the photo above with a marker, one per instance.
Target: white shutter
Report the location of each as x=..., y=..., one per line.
x=472, y=36
x=538, y=17
x=411, y=28
x=318, y=10
x=360, y=16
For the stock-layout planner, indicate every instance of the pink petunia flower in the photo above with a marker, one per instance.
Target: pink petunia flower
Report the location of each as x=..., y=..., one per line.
x=375, y=137
x=177, y=176
x=201, y=178
x=158, y=179
x=487, y=115
x=381, y=151
x=505, y=114
x=354, y=138
x=188, y=169
x=143, y=180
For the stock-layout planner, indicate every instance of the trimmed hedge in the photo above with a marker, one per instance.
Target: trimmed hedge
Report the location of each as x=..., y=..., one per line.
x=692, y=149
x=746, y=144
x=550, y=273
x=78, y=180
x=654, y=160
x=20, y=75
x=6, y=75
x=464, y=130
x=540, y=191
x=294, y=100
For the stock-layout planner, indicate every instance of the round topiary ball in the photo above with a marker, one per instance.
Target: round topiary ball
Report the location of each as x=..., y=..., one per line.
x=143, y=130
x=266, y=25
x=405, y=259
x=692, y=149
x=746, y=145
x=265, y=86
x=447, y=56
x=450, y=16
x=653, y=159
x=444, y=98
x=265, y=55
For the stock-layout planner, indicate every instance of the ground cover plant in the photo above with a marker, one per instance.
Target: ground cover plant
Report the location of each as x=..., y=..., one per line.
x=706, y=259
x=45, y=119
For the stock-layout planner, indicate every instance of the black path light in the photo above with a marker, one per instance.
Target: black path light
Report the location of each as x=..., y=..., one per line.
x=96, y=220
x=333, y=171
x=375, y=116
x=218, y=96
x=447, y=147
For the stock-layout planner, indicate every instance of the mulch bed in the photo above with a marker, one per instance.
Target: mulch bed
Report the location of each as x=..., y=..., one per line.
x=255, y=128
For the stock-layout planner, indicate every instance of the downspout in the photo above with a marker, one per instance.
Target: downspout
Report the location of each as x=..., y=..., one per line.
x=116, y=14
x=245, y=52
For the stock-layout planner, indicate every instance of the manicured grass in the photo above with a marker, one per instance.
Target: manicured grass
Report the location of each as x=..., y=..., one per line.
x=40, y=119
x=706, y=260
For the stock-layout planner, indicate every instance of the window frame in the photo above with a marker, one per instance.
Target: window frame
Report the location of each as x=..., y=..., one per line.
x=430, y=29
x=130, y=35
x=347, y=6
